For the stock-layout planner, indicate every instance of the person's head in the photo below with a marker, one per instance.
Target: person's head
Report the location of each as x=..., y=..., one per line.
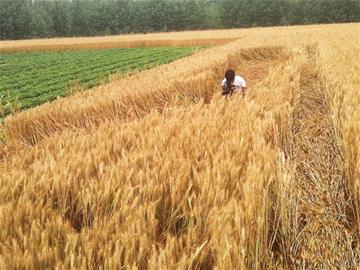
x=230, y=76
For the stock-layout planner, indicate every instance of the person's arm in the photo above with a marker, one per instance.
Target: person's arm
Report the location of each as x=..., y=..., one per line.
x=243, y=87
x=243, y=91
x=223, y=85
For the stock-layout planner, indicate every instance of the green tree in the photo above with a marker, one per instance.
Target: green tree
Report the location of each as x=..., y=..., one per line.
x=80, y=11
x=62, y=18
x=15, y=18
x=41, y=24
x=45, y=18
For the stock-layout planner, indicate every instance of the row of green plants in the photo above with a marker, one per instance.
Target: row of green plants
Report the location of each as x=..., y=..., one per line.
x=28, y=79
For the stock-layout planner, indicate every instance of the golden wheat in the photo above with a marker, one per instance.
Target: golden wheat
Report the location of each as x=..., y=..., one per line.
x=163, y=174
x=185, y=38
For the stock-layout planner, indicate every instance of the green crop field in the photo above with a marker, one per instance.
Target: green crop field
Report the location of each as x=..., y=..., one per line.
x=28, y=79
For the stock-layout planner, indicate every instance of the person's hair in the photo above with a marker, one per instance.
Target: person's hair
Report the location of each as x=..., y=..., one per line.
x=228, y=87
x=230, y=76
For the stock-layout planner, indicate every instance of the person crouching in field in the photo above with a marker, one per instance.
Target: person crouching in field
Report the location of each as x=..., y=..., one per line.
x=233, y=84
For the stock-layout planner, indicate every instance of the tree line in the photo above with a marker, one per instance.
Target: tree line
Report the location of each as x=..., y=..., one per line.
x=22, y=19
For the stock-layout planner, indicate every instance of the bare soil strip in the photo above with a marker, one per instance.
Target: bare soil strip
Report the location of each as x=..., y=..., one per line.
x=324, y=238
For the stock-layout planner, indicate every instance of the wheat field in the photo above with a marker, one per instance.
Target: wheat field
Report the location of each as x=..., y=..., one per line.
x=156, y=171
x=183, y=38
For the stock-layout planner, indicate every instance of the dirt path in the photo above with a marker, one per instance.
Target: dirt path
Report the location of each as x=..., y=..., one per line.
x=323, y=238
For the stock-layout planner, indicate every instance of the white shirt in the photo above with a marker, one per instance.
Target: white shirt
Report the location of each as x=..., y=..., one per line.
x=239, y=82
